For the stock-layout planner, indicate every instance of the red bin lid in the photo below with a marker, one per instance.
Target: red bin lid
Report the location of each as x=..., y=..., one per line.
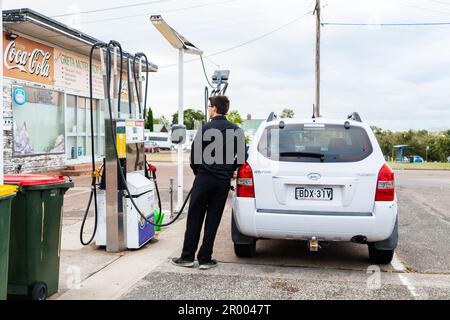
x=28, y=180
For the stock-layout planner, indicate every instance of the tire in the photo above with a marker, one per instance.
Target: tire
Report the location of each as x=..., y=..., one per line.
x=380, y=256
x=245, y=250
x=40, y=291
x=244, y=246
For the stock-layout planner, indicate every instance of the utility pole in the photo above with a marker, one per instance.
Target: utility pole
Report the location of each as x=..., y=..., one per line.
x=318, y=26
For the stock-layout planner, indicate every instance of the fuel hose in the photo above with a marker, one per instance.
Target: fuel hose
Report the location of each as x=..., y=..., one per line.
x=95, y=173
x=111, y=45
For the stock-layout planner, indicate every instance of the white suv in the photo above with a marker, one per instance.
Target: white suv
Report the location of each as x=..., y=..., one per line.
x=318, y=180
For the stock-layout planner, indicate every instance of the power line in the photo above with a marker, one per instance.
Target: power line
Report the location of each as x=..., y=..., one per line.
x=214, y=63
x=385, y=24
x=441, y=2
x=208, y=28
x=260, y=37
x=422, y=8
x=159, y=12
x=110, y=8
x=246, y=42
x=196, y=31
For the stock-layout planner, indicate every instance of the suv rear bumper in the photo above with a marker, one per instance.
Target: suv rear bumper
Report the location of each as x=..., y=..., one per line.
x=376, y=226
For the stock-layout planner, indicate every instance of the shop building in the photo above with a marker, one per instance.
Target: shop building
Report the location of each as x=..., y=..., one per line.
x=46, y=94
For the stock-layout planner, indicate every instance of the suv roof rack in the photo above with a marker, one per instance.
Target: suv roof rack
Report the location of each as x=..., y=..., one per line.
x=355, y=117
x=272, y=117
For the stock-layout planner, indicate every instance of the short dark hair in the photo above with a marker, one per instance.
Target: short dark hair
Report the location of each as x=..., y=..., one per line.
x=222, y=103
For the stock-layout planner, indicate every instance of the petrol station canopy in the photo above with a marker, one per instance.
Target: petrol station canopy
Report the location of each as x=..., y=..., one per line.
x=27, y=21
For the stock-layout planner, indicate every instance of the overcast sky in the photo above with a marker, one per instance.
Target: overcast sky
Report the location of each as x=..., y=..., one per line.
x=396, y=77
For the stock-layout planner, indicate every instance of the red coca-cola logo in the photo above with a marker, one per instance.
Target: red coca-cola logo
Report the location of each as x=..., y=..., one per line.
x=35, y=62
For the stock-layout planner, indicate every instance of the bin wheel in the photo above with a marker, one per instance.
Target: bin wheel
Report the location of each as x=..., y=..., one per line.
x=40, y=291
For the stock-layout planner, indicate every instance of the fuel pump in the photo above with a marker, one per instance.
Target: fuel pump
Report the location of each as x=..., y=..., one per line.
x=122, y=189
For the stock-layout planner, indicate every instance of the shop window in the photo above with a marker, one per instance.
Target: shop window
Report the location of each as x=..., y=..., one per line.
x=71, y=114
x=79, y=131
x=71, y=125
x=38, y=122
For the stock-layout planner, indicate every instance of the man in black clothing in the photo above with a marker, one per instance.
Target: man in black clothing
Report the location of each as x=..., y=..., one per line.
x=217, y=152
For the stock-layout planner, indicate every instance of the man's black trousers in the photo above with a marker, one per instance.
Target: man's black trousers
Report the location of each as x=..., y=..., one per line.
x=209, y=196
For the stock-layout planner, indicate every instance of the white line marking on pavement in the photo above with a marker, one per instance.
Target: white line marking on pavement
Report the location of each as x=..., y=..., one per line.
x=397, y=264
x=400, y=267
x=409, y=285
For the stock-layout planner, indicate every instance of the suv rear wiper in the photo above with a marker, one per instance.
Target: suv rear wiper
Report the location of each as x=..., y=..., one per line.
x=320, y=156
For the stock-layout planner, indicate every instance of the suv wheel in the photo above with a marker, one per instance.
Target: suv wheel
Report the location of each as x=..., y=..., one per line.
x=245, y=250
x=380, y=256
x=244, y=246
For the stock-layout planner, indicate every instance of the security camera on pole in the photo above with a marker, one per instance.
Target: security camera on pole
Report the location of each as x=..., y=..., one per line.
x=184, y=46
x=220, y=78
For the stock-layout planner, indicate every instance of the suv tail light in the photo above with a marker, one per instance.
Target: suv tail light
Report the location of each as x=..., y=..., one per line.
x=385, y=184
x=245, y=185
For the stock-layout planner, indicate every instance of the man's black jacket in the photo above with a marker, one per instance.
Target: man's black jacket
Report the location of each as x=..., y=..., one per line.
x=230, y=134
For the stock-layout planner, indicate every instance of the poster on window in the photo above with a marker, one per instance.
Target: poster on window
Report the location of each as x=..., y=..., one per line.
x=38, y=126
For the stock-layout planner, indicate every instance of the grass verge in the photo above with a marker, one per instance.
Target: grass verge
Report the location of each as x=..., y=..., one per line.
x=420, y=166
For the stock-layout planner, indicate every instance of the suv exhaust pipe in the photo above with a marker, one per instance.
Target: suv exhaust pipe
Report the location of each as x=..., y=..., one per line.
x=359, y=239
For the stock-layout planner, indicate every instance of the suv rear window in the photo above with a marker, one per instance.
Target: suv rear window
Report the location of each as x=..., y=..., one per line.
x=315, y=143
x=162, y=139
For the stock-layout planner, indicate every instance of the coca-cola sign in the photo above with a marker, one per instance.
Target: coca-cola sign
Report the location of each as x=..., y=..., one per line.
x=28, y=60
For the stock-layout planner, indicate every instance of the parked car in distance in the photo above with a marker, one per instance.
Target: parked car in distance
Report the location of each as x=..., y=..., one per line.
x=416, y=159
x=151, y=147
x=318, y=180
x=162, y=140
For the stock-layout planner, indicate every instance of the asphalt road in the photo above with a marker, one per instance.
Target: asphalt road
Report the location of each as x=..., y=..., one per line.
x=286, y=270
x=254, y=282
x=424, y=220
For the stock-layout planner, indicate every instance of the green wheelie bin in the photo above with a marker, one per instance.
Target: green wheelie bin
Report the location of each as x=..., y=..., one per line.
x=6, y=195
x=35, y=241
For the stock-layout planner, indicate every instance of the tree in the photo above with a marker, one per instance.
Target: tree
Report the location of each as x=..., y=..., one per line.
x=190, y=116
x=149, y=121
x=162, y=120
x=417, y=142
x=235, y=117
x=287, y=113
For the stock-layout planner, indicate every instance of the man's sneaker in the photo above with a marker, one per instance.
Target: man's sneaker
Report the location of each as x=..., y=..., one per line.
x=182, y=263
x=209, y=265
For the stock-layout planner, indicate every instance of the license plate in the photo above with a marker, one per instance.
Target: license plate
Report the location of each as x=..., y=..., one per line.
x=324, y=194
